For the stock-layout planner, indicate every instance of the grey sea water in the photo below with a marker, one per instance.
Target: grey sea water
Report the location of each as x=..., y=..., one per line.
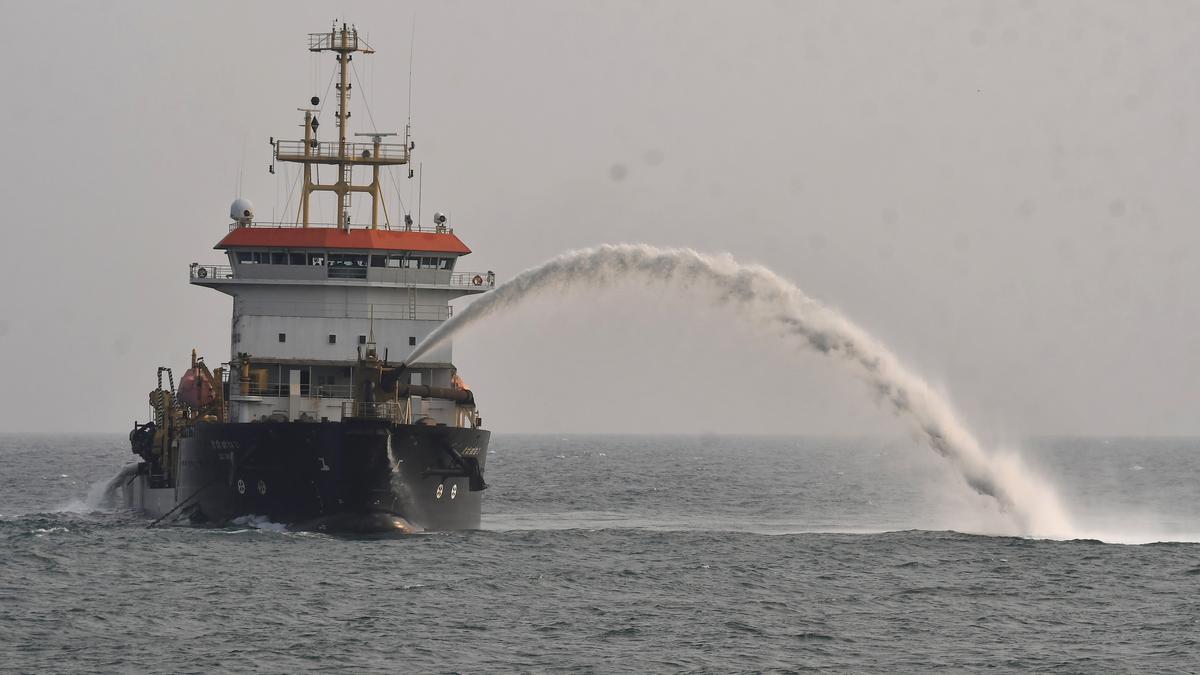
x=627, y=554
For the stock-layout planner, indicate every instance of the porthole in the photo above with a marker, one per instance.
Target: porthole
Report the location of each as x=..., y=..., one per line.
x=241, y=487
x=438, y=493
x=262, y=487
x=453, y=491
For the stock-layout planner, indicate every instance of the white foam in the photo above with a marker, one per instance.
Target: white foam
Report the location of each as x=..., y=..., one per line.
x=259, y=523
x=101, y=495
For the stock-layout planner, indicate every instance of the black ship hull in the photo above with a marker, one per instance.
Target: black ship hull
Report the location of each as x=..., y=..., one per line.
x=355, y=475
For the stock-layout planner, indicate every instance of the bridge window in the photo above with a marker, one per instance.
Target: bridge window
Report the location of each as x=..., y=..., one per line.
x=333, y=339
x=347, y=260
x=283, y=337
x=412, y=341
x=392, y=261
x=295, y=258
x=347, y=266
x=253, y=258
x=362, y=339
x=383, y=260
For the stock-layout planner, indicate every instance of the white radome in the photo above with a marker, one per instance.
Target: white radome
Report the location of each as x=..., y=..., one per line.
x=242, y=210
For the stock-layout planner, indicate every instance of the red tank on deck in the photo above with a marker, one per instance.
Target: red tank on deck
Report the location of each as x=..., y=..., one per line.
x=196, y=388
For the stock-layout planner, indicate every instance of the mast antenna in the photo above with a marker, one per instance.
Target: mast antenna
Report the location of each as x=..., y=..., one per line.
x=242, y=166
x=412, y=48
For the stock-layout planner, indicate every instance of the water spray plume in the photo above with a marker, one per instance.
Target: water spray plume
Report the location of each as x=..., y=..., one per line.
x=777, y=305
x=102, y=495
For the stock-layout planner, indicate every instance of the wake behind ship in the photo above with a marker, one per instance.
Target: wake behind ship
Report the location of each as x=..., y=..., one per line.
x=315, y=421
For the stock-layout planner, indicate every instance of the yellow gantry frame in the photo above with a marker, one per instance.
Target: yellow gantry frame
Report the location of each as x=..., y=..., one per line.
x=344, y=41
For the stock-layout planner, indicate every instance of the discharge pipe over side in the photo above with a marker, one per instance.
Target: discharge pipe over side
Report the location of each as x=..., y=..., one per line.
x=426, y=391
x=390, y=381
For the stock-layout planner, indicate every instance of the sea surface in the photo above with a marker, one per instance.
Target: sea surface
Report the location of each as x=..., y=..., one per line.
x=627, y=554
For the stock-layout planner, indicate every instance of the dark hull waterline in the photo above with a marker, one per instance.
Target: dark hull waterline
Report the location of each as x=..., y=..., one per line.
x=356, y=476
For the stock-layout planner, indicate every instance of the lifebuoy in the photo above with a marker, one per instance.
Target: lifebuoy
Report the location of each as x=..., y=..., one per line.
x=202, y=272
x=477, y=280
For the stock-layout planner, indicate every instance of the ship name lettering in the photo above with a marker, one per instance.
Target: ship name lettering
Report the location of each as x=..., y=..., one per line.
x=224, y=445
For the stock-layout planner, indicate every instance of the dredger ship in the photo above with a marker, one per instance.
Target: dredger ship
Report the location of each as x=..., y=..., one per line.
x=316, y=421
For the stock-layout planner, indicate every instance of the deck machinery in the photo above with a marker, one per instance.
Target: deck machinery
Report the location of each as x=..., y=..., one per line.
x=315, y=421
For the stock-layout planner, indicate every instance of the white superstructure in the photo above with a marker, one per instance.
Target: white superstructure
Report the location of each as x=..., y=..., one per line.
x=311, y=300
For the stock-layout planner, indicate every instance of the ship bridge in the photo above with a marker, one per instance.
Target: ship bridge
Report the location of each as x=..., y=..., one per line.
x=269, y=252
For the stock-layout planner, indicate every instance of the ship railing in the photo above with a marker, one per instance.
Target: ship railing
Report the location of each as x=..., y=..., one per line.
x=200, y=272
x=306, y=390
x=330, y=152
x=479, y=280
x=392, y=411
x=473, y=279
x=476, y=280
x=380, y=310
x=433, y=229
x=336, y=40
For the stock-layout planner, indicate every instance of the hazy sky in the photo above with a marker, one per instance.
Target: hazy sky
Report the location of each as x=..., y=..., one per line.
x=1004, y=192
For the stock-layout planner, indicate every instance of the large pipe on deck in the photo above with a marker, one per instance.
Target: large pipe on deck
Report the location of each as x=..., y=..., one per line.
x=426, y=391
x=390, y=381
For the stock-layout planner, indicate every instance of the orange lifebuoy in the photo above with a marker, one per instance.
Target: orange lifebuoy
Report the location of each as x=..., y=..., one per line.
x=477, y=280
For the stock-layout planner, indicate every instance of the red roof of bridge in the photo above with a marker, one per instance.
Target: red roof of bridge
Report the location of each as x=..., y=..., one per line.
x=336, y=238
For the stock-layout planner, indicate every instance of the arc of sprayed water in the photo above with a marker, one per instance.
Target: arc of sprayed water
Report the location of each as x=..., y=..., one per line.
x=774, y=303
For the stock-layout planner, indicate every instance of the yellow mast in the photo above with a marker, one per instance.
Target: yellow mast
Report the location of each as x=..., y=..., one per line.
x=308, y=132
x=346, y=155
x=345, y=171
